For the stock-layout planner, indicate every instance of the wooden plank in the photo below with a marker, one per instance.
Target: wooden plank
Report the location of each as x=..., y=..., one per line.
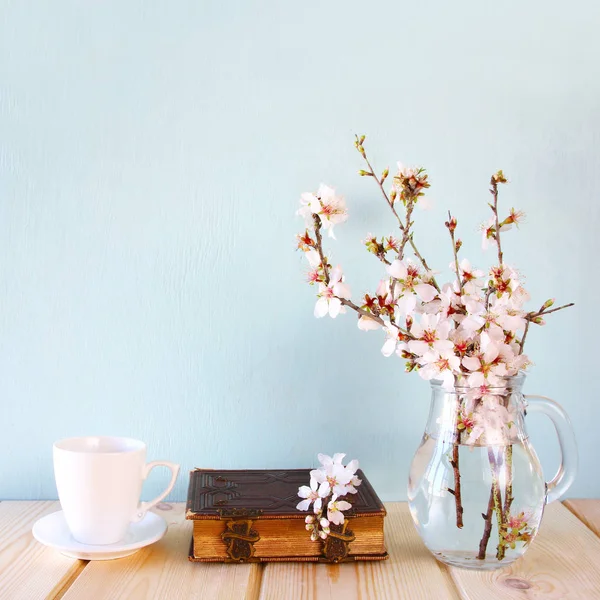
x=410, y=572
x=562, y=563
x=587, y=511
x=163, y=570
x=29, y=570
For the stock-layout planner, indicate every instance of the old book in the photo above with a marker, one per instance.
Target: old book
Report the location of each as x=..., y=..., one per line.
x=241, y=516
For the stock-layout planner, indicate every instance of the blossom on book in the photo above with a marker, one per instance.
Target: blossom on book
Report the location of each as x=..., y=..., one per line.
x=315, y=493
x=328, y=485
x=335, y=508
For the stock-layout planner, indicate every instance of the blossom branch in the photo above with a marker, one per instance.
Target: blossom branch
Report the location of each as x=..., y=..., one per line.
x=522, y=342
x=497, y=178
x=362, y=312
x=377, y=248
x=457, y=489
x=325, y=267
x=319, y=246
x=536, y=317
x=405, y=229
x=487, y=530
x=533, y=316
x=451, y=225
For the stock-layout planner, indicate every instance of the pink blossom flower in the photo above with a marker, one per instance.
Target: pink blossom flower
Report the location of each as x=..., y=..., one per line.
x=313, y=257
x=431, y=334
x=517, y=521
x=394, y=340
x=409, y=286
x=367, y=324
x=307, y=200
x=334, y=473
x=330, y=208
x=315, y=493
x=488, y=232
x=329, y=295
x=442, y=366
x=335, y=508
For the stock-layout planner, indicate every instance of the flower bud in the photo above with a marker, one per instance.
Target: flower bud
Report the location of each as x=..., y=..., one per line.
x=393, y=196
x=384, y=175
x=499, y=177
x=539, y=321
x=451, y=224
x=364, y=173
x=309, y=519
x=458, y=245
x=548, y=303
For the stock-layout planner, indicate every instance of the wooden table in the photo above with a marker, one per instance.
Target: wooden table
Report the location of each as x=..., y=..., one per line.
x=563, y=563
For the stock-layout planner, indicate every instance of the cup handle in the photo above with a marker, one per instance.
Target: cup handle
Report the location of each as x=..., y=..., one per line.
x=566, y=439
x=144, y=507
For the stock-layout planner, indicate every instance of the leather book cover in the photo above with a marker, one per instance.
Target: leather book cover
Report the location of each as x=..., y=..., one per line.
x=251, y=516
x=269, y=494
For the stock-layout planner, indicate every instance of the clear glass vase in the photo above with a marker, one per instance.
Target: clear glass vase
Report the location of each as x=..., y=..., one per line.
x=476, y=489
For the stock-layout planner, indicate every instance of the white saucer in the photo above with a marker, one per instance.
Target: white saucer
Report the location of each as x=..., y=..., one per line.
x=52, y=531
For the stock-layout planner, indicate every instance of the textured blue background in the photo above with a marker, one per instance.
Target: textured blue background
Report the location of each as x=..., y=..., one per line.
x=152, y=157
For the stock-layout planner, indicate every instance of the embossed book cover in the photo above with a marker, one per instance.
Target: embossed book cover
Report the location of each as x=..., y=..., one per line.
x=251, y=516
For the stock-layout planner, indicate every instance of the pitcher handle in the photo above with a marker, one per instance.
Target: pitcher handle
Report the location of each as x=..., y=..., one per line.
x=566, y=439
x=144, y=507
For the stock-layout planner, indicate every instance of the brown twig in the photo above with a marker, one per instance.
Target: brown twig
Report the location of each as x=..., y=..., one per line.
x=410, y=205
x=457, y=492
x=494, y=192
x=456, y=468
x=508, y=497
x=317, y=221
x=531, y=316
x=522, y=342
x=490, y=290
x=361, y=311
x=497, y=495
x=451, y=225
x=487, y=530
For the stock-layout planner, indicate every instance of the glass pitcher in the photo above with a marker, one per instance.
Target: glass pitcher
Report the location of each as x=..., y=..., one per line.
x=476, y=489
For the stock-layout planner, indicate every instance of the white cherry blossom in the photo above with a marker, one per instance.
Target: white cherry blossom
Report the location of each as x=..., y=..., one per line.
x=315, y=493
x=334, y=473
x=430, y=334
x=393, y=342
x=329, y=295
x=307, y=200
x=442, y=366
x=314, y=260
x=368, y=324
x=335, y=508
x=409, y=287
x=486, y=367
x=330, y=208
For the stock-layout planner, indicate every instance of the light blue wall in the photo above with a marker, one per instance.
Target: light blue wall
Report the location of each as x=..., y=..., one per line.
x=152, y=156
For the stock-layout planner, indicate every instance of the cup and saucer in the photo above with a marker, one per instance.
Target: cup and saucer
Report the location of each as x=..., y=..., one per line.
x=99, y=482
x=52, y=530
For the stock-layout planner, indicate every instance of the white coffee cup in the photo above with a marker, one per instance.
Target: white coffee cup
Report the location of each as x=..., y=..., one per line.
x=99, y=482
